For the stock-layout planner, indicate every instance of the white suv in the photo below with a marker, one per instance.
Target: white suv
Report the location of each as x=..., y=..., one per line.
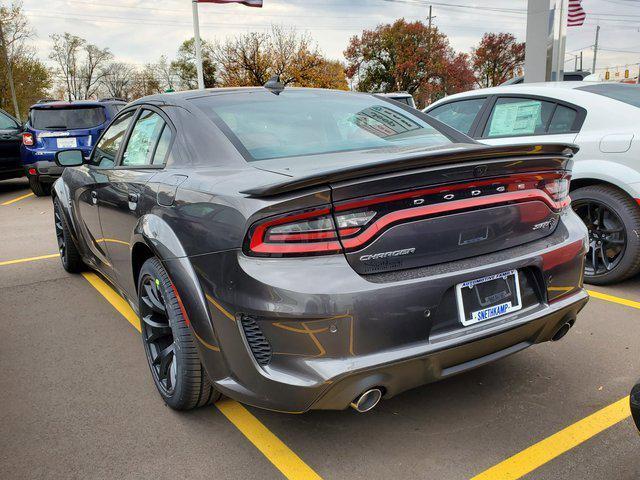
x=603, y=119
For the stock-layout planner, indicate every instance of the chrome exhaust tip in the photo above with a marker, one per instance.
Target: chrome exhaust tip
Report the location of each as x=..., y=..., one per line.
x=367, y=400
x=562, y=331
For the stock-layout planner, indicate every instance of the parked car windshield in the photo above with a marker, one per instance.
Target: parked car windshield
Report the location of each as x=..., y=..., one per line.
x=66, y=118
x=266, y=126
x=629, y=94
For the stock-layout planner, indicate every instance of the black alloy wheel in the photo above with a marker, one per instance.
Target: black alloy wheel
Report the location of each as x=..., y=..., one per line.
x=613, y=219
x=169, y=344
x=607, y=238
x=158, y=337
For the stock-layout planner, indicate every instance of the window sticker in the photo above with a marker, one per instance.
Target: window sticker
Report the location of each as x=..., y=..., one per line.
x=515, y=118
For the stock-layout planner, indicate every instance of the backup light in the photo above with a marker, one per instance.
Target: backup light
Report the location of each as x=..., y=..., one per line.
x=27, y=139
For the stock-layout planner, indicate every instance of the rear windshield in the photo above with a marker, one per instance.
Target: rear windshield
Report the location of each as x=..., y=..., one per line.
x=629, y=94
x=66, y=118
x=296, y=123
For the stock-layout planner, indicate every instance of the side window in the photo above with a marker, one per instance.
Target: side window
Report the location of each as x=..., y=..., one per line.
x=104, y=155
x=512, y=117
x=563, y=120
x=141, y=148
x=162, y=148
x=7, y=123
x=459, y=115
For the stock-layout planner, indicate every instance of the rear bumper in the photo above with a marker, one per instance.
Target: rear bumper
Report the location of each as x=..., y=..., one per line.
x=333, y=333
x=46, y=171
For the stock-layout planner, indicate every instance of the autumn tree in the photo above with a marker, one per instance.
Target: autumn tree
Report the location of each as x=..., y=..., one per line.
x=252, y=59
x=407, y=56
x=80, y=64
x=146, y=82
x=117, y=79
x=184, y=66
x=495, y=58
x=31, y=77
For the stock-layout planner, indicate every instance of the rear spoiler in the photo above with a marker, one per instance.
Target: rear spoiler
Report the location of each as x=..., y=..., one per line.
x=450, y=155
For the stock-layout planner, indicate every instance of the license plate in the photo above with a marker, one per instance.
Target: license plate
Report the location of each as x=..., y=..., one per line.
x=66, y=142
x=489, y=297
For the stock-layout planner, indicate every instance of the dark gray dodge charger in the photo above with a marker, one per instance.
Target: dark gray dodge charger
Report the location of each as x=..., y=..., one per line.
x=300, y=249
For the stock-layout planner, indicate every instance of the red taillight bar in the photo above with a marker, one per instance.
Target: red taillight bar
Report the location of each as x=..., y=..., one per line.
x=330, y=239
x=452, y=206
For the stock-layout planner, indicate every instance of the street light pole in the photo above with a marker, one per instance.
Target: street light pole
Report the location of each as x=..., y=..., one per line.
x=12, y=87
x=198, y=44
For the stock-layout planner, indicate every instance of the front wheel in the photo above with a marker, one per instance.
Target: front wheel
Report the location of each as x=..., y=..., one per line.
x=168, y=343
x=613, y=220
x=38, y=188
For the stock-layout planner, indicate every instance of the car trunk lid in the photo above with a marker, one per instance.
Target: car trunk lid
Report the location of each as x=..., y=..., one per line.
x=423, y=210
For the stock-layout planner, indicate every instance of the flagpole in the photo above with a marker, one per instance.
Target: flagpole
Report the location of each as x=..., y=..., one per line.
x=196, y=36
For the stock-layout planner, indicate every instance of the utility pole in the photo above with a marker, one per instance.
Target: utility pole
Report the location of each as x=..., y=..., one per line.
x=430, y=18
x=595, y=50
x=3, y=45
x=580, y=60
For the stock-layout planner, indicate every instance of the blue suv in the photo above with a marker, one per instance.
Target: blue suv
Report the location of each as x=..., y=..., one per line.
x=57, y=125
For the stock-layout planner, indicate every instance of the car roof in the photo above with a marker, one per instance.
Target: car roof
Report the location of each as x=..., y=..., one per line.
x=534, y=88
x=82, y=103
x=180, y=97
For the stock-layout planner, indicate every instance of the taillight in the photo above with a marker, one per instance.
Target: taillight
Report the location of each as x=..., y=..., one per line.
x=558, y=190
x=27, y=139
x=306, y=233
x=354, y=223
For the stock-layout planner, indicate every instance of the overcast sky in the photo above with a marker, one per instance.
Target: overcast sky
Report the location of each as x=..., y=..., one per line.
x=139, y=31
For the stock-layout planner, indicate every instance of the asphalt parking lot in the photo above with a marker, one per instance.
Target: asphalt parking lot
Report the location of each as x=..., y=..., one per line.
x=77, y=400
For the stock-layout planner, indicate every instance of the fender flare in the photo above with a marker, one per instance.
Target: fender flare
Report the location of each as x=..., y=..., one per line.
x=159, y=237
x=60, y=191
x=616, y=174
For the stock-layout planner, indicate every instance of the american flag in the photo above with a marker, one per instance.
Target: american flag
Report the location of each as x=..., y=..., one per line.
x=249, y=3
x=576, y=14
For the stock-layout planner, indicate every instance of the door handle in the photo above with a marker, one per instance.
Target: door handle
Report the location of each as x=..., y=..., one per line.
x=133, y=197
x=94, y=197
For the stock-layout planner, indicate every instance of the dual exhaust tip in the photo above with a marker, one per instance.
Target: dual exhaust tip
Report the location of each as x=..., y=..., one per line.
x=367, y=400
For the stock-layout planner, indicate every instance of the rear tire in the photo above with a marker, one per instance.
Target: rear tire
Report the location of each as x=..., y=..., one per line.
x=69, y=254
x=168, y=343
x=613, y=235
x=38, y=188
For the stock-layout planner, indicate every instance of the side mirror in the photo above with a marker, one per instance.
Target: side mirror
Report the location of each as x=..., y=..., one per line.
x=634, y=401
x=69, y=158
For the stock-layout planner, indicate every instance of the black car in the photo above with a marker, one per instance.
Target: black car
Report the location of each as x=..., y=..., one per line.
x=301, y=249
x=10, y=140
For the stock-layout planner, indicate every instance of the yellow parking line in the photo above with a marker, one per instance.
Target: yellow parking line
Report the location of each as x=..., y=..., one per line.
x=546, y=450
x=271, y=446
x=281, y=456
x=17, y=199
x=614, y=299
x=114, y=299
x=30, y=259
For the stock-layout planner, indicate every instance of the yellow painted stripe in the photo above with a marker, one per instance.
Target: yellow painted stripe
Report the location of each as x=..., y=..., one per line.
x=281, y=456
x=114, y=299
x=29, y=259
x=542, y=452
x=614, y=299
x=17, y=199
